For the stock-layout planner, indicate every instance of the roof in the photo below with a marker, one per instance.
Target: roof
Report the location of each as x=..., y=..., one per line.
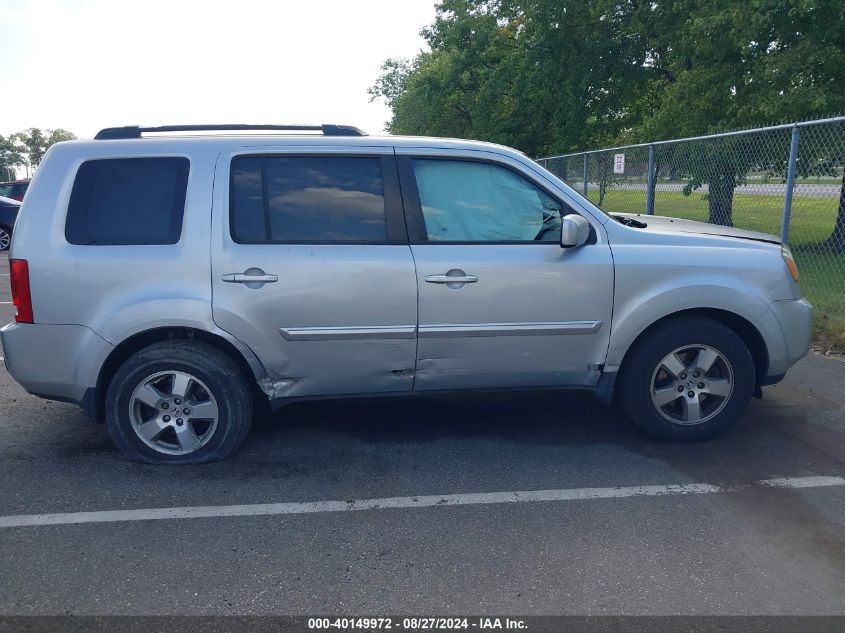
x=136, y=131
x=268, y=137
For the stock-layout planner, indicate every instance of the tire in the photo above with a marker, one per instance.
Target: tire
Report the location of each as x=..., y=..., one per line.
x=5, y=238
x=669, y=403
x=209, y=383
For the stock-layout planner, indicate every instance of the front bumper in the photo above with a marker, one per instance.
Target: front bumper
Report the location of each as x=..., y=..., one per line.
x=58, y=362
x=787, y=327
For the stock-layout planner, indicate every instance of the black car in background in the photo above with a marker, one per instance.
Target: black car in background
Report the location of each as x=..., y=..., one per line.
x=8, y=215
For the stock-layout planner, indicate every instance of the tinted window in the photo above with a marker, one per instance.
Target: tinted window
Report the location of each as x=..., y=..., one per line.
x=128, y=201
x=465, y=201
x=307, y=199
x=5, y=190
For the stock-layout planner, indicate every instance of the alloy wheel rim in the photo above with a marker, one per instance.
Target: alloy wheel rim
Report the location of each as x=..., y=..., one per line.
x=692, y=384
x=173, y=412
x=5, y=239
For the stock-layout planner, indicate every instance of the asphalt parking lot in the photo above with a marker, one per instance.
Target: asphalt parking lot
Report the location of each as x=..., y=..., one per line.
x=623, y=528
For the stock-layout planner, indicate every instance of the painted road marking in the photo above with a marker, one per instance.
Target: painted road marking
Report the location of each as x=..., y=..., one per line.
x=427, y=501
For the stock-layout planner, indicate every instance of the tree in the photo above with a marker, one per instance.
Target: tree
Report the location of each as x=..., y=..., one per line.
x=540, y=75
x=836, y=242
x=10, y=158
x=725, y=64
x=34, y=145
x=29, y=146
x=551, y=76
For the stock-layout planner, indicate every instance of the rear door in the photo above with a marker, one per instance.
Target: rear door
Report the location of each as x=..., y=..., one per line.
x=500, y=302
x=311, y=268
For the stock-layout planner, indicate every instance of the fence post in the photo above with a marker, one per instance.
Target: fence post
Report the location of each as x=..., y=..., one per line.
x=585, y=175
x=649, y=196
x=790, y=184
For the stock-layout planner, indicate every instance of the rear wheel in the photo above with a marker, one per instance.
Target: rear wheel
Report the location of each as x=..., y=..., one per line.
x=5, y=238
x=178, y=402
x=689, y=380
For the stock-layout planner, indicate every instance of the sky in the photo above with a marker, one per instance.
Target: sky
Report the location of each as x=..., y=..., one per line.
x=83, y=65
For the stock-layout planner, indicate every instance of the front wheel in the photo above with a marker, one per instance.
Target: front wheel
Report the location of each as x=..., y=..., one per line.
x=689, y=380
x=178, y=402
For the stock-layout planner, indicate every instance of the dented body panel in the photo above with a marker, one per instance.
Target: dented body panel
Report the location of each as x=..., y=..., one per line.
x=538, y=315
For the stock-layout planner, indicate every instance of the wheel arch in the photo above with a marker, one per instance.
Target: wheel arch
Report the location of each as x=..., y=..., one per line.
x=94, y=401
x=749, y=333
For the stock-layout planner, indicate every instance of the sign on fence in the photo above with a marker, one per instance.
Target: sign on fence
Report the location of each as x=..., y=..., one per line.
x=619, y=163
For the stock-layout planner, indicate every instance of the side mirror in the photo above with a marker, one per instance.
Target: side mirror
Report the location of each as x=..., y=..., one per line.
x=574, y=231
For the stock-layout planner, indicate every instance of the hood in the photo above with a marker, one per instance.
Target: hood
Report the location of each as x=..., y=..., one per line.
x=662, y=224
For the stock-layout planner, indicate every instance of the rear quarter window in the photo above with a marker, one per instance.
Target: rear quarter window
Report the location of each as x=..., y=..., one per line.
x=128, y=201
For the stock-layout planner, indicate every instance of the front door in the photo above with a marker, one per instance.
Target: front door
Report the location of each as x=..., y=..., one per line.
x=312, y=270
x=500, y=302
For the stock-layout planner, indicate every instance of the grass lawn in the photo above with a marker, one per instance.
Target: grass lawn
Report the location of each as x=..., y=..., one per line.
x=813, y=218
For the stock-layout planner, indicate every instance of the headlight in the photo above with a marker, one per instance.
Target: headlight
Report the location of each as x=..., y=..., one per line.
x=790, y=261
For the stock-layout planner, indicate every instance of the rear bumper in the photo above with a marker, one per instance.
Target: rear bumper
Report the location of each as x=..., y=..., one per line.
x=58, y=362
x=788, y=329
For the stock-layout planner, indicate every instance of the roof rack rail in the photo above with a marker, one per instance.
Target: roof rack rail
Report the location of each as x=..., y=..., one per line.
x=135, y=131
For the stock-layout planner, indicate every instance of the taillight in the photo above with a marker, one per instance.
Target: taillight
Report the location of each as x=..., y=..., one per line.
x=21, y=297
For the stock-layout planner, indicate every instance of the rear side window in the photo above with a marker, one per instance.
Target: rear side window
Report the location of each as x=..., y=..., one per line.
x=286, y=199
x=128, y=201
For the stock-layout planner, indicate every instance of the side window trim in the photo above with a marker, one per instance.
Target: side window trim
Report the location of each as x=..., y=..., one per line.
x=415, y=220
x=394, y=215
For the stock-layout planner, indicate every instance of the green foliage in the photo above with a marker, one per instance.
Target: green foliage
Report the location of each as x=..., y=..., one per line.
x=727, y=64
x=27, y=148
x=10, y=157
x=550, y=76
x=539, y=75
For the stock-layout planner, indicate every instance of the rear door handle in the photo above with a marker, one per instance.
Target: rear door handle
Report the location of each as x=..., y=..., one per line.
x=252, y=275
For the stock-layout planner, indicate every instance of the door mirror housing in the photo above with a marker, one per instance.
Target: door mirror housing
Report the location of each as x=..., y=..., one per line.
x=574, y=231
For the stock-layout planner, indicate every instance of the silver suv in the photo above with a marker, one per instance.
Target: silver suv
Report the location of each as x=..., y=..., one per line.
x=173, y=284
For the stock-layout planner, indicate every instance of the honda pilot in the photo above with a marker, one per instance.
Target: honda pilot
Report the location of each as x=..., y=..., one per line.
x=174, y=281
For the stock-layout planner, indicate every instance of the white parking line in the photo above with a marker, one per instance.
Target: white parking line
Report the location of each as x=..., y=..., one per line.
x=463, y=499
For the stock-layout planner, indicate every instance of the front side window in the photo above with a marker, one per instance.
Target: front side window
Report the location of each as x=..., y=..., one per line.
x=307, y=199
x=128, y=201
x=466, y=201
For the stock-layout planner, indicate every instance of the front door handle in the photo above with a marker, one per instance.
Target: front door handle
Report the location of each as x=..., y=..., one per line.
x=251, y=276
x=446, y=279
x=454, y=278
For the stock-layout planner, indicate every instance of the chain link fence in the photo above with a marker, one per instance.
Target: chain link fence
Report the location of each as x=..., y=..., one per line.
x=786, y=180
